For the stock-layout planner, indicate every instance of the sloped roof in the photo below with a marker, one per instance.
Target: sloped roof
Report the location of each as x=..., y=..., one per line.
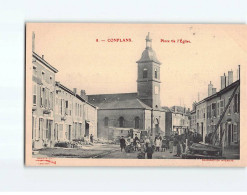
x=123, y=104
x=149, y=55
x=106, y=98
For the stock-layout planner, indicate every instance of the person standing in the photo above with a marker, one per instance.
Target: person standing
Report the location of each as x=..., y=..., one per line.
x=135, y=141
x=175, y=144
x=157, y=144
x=171, y=143
x=122, y=143
x=149, y=151
x=91, y=138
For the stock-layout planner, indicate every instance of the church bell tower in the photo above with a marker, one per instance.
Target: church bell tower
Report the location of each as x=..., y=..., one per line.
x=148, y=79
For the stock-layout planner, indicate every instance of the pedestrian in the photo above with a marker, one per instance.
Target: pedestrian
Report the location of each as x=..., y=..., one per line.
x=135, y=141
x=149, y=151
x=171, y=143
x=163, y=145
x=175, y=144
x=147, y=141
x=91, y=138
x=157, y=144
x=122, y=143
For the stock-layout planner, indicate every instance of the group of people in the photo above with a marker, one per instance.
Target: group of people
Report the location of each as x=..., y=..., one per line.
x=145, y=144
x=176, y=144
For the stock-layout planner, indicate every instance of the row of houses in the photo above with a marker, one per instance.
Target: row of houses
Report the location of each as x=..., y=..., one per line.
x=58, y=113
x=219, y=113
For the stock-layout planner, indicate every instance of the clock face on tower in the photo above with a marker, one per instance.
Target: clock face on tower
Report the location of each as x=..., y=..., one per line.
x=156, y=90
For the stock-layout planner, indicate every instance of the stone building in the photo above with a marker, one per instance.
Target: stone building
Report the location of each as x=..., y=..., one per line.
x=74, y=117
x=177, y=120
x=43, y=90
x=219, y=113
x=139, y=111
x=58, y=114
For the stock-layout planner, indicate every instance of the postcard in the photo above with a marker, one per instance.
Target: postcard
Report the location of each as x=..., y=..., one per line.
x=108, y=94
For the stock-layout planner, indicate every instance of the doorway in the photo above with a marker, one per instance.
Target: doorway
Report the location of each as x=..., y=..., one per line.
x=86, y=129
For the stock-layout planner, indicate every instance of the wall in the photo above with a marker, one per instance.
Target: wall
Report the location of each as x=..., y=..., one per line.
x=114, y=115
x=43, y=112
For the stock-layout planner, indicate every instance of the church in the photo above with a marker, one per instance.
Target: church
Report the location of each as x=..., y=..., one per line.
x=125, y=114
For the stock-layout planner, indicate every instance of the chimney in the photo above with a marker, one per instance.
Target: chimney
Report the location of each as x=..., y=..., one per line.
x=223, y=81
x=74, y=90
x=210, y=89
x=43, y=56
x=213, y=91
x=33, y=42
x=83, y=95
x=230, y=77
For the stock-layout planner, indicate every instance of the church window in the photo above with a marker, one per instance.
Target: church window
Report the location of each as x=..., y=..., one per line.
x=145, y=73
x=106, y=120
x=121, y=121
x=156, y=90
x=137, y=122
x=155, y=73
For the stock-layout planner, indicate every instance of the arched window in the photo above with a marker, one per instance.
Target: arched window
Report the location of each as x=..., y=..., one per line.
x=137, y=122
x=145, y=73
x=121, y=121
x=155, y=73
x=106, y=120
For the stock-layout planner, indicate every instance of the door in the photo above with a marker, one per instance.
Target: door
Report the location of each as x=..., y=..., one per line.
x=87, y=129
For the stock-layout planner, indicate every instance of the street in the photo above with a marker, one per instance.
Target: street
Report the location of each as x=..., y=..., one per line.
x=105, y=151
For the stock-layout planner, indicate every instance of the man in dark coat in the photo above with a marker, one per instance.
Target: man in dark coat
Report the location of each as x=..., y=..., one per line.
x=135, y=141
x=122, y=143
x=149, y=151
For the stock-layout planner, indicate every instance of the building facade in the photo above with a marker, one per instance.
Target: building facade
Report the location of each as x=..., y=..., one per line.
x=58, y=114
x=219, y=113
x=43, y=90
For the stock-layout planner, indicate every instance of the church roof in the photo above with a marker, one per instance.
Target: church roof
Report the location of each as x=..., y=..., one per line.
x=149, y=55
x=117, y=101
x=123, y=104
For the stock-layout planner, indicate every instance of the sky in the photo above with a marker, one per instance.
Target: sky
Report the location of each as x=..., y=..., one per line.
x=110, y=67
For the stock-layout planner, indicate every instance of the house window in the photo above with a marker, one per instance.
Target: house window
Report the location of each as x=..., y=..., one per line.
x=42, y=96
x=34, y=70
x=106, y=121
x=34, y=94
x=218, y=108
x=237, y=103
x=121, y=121
x=155, y=73
x=213, y=109
x=222, y=106
x=51, y=100
x=137, y=122
x=145, y=73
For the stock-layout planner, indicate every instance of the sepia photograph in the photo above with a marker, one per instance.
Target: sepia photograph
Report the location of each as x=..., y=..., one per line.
x=105, y=94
